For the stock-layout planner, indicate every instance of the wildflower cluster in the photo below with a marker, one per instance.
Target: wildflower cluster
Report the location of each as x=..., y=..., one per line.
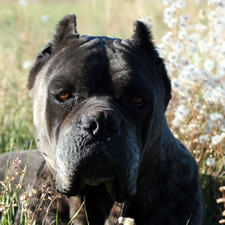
x=10, y=191
x=194, y=54
x=17, y=202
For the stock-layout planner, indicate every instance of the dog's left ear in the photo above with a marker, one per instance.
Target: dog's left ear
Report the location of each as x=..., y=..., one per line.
x=142, y=38
x=65, y=31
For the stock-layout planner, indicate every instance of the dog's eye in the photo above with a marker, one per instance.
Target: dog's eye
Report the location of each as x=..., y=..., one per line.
x=63, y=96
x=137, y=101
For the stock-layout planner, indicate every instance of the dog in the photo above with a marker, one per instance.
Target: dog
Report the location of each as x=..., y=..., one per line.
x=99, y=117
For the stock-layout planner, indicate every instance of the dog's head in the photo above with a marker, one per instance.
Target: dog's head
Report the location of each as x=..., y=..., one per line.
x=98, y=105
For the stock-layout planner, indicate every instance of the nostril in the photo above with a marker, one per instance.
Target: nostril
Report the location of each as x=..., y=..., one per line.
x=102, y=124
x=93, y=127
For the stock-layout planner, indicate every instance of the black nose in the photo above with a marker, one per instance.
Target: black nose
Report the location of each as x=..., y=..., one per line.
x=102, y=124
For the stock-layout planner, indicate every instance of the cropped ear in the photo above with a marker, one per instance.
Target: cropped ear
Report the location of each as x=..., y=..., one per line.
x=142, y=38
x=66, y=30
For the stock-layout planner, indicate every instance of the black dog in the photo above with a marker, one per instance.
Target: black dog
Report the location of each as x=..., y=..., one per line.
x=99, y=120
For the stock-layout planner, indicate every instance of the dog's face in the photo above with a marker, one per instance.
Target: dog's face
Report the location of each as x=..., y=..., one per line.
x=98, y=105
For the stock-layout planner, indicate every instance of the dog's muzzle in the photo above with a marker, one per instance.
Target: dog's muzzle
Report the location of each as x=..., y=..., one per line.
x=100, y=148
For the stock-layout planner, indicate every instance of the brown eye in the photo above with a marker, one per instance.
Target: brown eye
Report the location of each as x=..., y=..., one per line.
x=138, y=101
x=63, y=96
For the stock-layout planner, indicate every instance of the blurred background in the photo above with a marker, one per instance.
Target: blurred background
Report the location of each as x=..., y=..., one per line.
x=190, y=36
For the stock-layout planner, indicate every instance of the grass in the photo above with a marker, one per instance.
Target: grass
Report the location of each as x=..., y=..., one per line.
x=26, y=29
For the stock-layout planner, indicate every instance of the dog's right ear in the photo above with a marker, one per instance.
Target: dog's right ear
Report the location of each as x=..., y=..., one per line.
x=65, y=31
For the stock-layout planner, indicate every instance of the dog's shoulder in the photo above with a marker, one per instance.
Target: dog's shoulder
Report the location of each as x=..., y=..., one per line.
x=179, y=175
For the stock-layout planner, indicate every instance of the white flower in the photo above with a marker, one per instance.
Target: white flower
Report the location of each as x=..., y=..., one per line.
x=173, y=57
x=197, y=106
x=176, y=122
x=222, y=126
x=179, y=46
x=176, y=83
x=209, y=65
x=148, y=21
x=44, y=18
x=27, y=65
x=210, y=161
x=210, y=126
x=162, y=49
x=185, y=76
x=200, y=27
x=190, y=74
x=216, y=2
x=191, y=48
x=23, y=3
x=184, y=61
x=169, y=68
x=201, y=45
x=172, y=23
x=168, y=38
x=181, y=4
x=221, y=67
x=194, y=37
x=216, y=116
x=182, y=34
x=181, y=111
x=222, y=50
x=184, y=129
x=216, y=139
x=174, y=7
x=168, y=14
x=203, y=138
x=183, y=20
x=212, y=16
x=167, y=2
x=215, y=95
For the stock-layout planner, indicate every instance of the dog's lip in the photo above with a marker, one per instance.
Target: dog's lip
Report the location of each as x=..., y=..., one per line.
x=99, y=141
x=112, y=187
x=71, y=190
x=95, y=183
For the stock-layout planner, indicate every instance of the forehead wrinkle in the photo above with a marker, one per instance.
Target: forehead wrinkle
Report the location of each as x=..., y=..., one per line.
x=75, y=58
x=128, y=69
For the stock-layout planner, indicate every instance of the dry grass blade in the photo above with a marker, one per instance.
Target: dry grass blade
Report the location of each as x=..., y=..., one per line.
x=74, y=216
x=222, y=200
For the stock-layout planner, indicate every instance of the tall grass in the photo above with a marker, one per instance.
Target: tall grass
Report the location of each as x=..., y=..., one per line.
x=190, y=37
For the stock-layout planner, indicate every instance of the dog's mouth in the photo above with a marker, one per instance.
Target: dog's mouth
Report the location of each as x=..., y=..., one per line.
x=99, y=175
x=102, y=166
x=118, y=181
x=81, y=187
x=111, y=187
